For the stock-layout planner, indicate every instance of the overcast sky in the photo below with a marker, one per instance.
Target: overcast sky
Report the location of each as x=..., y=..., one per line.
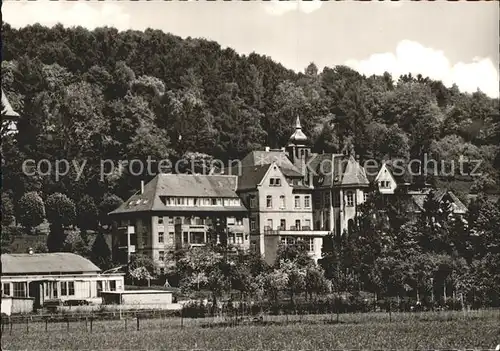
x=456, y=42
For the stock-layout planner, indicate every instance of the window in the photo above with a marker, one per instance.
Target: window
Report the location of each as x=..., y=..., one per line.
x=71, y=288
x=214, y=202
x=246, y=237
x=283, y=224
x=365, y=196
x=171, y=237
x=385, y=184
x=161, y=256
x=269, y=201
x=179, y=201
x=160, y=220
x=307, y=201
x=99, y=287
x=309, y=243
x=252, y=224
x=112, y=285
x=317, y=200
x=297, y=224
x=185, y=237
x=282, y=202
x=67, y=288
x=239, y=221
x=170, y=220
x=336, y=199
x=350, y=198
x=307, y=224
x=187, y=220
x=327, y=198
x=231, y=220
x=161, y=237
x=297, y=201
x=239, y=238
x=270, y=223
x=195, y=202
x=275, y=182
x=6, y=289
x=19, y=289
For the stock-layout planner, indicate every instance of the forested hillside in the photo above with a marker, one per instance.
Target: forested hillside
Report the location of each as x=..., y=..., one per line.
x=104, y=94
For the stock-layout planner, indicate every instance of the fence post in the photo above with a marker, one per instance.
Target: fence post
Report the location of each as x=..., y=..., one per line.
x=182, y=317
x=137, y=321
x=10, y=322
x=67, y=324
x=27, y=324
x=91, y=320
x=46, y=323
x=125, y=323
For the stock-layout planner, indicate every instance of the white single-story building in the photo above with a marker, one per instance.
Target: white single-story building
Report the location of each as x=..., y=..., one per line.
x=60, y=276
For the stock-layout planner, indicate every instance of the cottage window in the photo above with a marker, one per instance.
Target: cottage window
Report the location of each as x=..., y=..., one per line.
x=6, y=289
x=71, y=288
x=64, y=288
x=112, y=285
x=214, y=202
x=350, y=199
x=161, y=236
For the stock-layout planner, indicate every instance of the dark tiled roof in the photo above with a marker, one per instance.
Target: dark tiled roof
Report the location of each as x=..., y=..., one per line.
x=439, y=195
x=251, y=176
x=338, y=170
x=262, y=157
x=60, y=262
x=182, y=185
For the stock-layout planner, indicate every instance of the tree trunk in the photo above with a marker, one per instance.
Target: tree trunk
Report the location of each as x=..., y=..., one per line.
x=444, y=291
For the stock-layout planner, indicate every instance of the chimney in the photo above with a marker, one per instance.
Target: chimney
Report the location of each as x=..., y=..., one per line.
x=142, y=187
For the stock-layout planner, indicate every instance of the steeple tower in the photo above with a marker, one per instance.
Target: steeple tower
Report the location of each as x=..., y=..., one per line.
x=298, y=144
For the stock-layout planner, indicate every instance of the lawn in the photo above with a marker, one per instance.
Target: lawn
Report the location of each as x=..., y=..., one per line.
x=448, y=330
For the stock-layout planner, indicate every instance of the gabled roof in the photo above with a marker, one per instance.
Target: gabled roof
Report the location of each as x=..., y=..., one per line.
x=263, y=157
x=180, y=185
x=338, y=170
x=37, y=263
x=439, y=195
x=400, y=176
x=251, y=176
x=7, y=109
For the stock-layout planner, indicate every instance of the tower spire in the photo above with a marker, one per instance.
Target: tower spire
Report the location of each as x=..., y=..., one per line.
x=297, y=123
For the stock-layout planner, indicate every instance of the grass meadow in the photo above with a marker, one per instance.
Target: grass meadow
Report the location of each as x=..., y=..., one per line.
x=426, y=330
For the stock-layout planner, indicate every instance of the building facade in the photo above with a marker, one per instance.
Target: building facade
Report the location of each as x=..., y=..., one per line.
x=175, y=211
x=55, y=276
x=295, y=195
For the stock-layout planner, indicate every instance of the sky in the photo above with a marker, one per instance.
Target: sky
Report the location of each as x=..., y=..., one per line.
x=456, y=42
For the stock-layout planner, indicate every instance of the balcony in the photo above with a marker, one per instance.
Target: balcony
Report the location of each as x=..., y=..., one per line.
x=294, y=230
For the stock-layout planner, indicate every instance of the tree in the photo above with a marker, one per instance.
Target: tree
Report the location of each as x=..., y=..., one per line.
x=87, y=214
x=110, y=202
x=7, y=210
x=30, y=210
x=61, y=213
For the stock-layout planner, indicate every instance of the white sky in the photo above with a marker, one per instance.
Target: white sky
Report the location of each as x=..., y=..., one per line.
x=455, y=42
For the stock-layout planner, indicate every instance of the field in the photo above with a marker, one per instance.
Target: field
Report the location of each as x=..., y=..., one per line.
x=444, y=330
